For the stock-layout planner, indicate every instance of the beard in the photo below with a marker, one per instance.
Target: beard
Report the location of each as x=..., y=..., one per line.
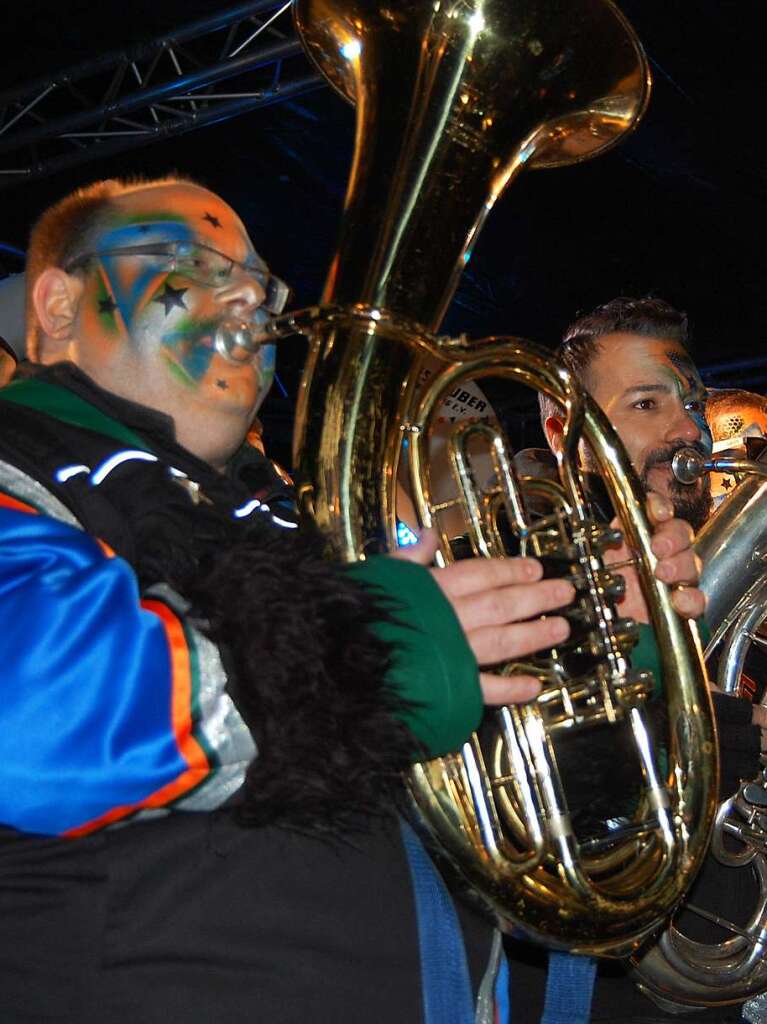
x=692, y=502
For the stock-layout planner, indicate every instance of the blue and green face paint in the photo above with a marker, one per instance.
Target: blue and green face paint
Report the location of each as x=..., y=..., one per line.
x=128, y=281
x=140, y=301
x=692, y=394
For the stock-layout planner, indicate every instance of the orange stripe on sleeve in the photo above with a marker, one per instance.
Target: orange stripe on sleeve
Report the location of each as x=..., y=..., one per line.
x=109, y=552
x=6, y=501
x=181, y=716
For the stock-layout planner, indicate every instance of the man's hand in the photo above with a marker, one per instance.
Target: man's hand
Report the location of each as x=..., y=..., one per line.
x=677, y=564
x=499, y=603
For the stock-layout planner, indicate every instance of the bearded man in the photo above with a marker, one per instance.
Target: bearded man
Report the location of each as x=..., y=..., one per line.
x=633, y=357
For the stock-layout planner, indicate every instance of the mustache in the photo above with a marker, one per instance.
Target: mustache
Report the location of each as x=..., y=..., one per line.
x=659, y=456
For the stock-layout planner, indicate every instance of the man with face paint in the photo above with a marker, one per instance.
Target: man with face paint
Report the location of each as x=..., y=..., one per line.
x=204, y=722
x=136, y=302
x=632, y=356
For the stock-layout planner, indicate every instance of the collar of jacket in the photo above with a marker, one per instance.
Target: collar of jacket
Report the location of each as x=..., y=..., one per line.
x=64, y=405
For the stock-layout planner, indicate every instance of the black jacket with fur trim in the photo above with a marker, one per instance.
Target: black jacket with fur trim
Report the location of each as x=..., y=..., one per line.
x=174, y=644
x=297, y=665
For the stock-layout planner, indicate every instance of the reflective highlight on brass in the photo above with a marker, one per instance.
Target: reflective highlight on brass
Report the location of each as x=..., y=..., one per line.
x=453, y=99
x=733, y=549
x=499, y=808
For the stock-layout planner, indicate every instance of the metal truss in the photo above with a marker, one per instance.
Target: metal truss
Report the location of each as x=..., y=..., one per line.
x=214, y=69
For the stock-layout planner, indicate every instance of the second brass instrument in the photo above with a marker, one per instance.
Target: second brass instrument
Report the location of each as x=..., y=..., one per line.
x=732, y=547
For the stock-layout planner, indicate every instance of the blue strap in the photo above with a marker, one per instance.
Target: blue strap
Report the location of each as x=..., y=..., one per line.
x=569, y=987
x=503, y=992
x=445, y=983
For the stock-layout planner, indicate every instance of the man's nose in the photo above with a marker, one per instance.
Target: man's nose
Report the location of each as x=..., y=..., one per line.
x=684, y=427
x=242, y=297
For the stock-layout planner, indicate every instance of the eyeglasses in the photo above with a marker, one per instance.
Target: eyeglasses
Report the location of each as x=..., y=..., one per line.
x=201, y=264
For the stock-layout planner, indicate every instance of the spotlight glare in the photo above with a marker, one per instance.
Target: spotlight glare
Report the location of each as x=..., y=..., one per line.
x=352, y=49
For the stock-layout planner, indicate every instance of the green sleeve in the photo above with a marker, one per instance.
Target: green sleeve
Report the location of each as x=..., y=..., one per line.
x=434, y=668
x=646, y=655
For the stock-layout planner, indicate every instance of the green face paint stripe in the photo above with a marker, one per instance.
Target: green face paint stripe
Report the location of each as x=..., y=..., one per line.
x=186, y=347
x=180, y=373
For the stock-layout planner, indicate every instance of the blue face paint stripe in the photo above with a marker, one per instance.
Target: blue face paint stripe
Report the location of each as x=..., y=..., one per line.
x=150, y=233
x=186, y=346
x=686, y=369
x=128, y=298
x=706, y=440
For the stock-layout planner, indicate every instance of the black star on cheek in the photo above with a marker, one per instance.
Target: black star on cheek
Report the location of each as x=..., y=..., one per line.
x=213, y=221
x=171, y=297
x=107, y=305
x=222, y=384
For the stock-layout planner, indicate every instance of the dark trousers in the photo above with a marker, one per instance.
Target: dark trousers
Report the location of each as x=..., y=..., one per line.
x=193, y=918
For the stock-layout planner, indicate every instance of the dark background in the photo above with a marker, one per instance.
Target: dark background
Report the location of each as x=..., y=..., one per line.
x=677, y=210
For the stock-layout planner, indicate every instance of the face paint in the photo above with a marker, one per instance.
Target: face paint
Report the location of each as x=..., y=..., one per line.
x=694, y=388
x=146, y=330
x=106, y=306
x=654, y=398
x=268, y=357
x=129, y=280
x=171, y=298
x=188, y=349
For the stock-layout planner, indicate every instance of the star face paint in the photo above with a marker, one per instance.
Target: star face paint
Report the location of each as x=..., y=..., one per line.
x=653, y=396
x=144, y=327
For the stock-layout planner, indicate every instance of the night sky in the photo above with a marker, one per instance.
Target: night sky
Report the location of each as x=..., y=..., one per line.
x=677, y=210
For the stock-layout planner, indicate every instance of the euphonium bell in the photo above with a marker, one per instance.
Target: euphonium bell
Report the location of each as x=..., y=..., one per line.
x=454, y=98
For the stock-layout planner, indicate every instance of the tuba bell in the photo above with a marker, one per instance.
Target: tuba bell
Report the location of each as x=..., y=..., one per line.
x=453, y=99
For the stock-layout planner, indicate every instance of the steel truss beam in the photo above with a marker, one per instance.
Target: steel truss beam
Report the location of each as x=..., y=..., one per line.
x=214, y=69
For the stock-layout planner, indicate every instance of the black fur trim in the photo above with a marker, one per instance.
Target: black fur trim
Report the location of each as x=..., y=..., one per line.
x=308, y=671
x=311, y=683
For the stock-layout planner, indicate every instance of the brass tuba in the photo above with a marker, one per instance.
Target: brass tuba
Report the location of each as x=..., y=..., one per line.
x=677, y=970
x=453, y=99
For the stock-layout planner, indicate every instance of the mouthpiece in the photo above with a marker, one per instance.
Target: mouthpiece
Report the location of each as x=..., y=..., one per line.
x=239, y=340
x=689, y=465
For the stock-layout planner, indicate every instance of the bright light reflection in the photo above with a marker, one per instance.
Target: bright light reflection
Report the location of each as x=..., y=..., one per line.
x=477, y=22
x=405, y=536
x=352, y=49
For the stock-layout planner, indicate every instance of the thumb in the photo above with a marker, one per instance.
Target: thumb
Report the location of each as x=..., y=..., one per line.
x=421, y=553
x=659, y=509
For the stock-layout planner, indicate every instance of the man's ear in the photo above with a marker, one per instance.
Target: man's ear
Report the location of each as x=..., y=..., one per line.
x=55, y=300
x=554, y=429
